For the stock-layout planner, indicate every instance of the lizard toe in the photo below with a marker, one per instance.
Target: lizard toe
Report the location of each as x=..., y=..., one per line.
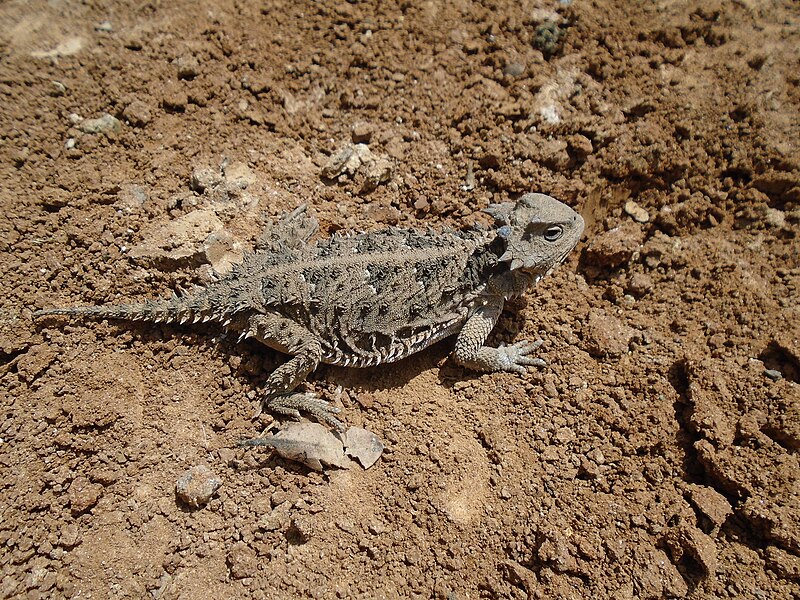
x=294, y=403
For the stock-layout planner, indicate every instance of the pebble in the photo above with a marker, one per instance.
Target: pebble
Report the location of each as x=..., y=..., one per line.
x=636, y=212
x=103, y=124
x=361, y=133
x=685, y=539
x=196, y=486
x=204, y=178
x=383, y=214
x=514, y=69
x=130, y=198
x=773, y=374
x=70, y=536
x=137, y=113
x=222, y=250
x=580, y=145
x=713, y=505
x=640, y=284
x=83, y=495
x=177, y=243
x=774, y=217
x=175, y=98
x=188, y=67
x=59, y=89
x=242, y=561
x=605, y=335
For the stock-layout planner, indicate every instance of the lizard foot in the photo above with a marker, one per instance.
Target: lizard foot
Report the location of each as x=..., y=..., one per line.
x=293, y=403
x=514, y=358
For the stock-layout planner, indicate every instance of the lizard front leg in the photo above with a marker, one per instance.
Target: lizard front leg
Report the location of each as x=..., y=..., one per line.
x=289, y=337
x=471, y=352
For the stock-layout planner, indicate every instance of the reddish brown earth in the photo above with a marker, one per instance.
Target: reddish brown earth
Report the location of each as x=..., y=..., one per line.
x=655, y=456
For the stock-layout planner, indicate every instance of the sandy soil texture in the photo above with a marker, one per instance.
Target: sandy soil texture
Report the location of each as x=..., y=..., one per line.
x=655, y=456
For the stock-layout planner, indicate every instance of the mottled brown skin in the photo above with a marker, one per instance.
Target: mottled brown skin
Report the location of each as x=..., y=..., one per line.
x=377, y=297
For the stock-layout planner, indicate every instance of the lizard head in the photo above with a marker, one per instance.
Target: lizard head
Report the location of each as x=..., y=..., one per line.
x=539, y=232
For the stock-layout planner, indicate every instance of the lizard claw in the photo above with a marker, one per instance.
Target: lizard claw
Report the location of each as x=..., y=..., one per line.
x=292, y=403
x=515, y=357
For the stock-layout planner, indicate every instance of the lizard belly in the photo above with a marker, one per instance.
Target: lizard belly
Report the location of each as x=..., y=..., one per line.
x=370, y=349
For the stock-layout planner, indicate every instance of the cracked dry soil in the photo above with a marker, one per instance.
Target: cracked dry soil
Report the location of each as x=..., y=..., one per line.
x=655, y=456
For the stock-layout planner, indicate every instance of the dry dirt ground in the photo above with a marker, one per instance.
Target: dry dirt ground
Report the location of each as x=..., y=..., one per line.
x=655, y=456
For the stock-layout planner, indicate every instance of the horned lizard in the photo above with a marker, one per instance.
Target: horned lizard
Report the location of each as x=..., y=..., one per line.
x=370, y=298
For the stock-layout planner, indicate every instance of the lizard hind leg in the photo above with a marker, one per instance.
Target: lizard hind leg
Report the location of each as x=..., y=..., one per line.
x=295, y=403
x=289, y=337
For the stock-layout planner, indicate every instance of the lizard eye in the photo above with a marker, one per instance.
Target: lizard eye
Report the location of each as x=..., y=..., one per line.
x=551, y=234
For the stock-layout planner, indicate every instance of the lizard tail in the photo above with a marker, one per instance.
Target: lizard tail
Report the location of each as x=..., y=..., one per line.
x=171, y=310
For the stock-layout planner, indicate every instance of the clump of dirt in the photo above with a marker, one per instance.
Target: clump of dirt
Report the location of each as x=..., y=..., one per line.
x=656, y=454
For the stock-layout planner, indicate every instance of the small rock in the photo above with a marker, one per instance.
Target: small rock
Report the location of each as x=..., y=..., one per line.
x=514, y=69
x=104, y=27
x=714, y=507
x=58, y=89
x=133, y=41
x=361, y=133
x=238, y=173
x=222, y=251
x=137, y=113
x=378, y=172
x=636, y=212
x=655, y=576
x=83, y=495
x=616, y=247
x=20, y=156
x=242, y=561
x=774, y=217
x=204, y=178
x=196, y=486
x=303, y=527
x=564, y=435
x=257, y=83
x=178, y=243
x=554, y=154
x=174, y=98
x=383, y=214
x=580, y=145
x=354, y=158
x=103, y=124
x=70, y=536
x=640, y=284
x=773, y=374
x=606, y=335
x=345, y=161
x=188, y=67
x=686, y=540
x=547, y=37
x=131, y=198
x=556, y=552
